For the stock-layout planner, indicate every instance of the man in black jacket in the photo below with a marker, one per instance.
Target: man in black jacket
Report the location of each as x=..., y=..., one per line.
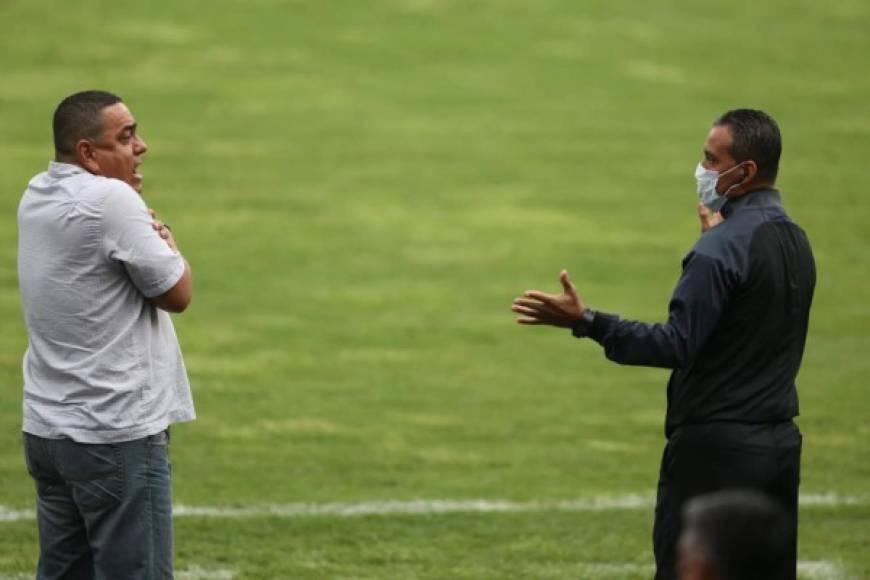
x=734, y=337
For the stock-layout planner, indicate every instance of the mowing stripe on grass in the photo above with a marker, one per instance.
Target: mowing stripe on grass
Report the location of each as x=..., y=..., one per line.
x=436, y=506
x=191, y=573
x=807, y=569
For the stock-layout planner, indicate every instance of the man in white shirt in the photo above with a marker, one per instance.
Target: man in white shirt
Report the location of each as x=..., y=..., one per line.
x=103, y=372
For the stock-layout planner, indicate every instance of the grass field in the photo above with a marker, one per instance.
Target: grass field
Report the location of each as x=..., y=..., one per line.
x=363, y=187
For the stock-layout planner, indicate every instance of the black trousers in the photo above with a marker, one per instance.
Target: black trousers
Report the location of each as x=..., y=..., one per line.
x=706, y=457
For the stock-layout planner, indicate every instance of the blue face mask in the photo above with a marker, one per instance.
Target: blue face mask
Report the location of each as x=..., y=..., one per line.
x=707, y=180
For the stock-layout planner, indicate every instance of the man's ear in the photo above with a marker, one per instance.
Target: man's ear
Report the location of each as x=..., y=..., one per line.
x=85, y=154
x=751, y=169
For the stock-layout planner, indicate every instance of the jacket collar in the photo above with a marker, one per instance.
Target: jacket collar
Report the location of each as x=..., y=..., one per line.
x=754, y=199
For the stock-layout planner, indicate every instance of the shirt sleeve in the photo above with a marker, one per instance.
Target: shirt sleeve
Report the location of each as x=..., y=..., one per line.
x=697, y=304
x=129, y=238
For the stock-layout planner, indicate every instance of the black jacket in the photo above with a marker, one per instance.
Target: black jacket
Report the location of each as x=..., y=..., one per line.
x=737, y=320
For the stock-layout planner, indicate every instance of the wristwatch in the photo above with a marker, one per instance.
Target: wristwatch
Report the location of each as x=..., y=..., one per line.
x=583, y=326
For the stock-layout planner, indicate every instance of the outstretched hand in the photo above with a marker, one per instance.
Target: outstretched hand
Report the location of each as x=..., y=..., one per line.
x=562, y=310
x=709, y=219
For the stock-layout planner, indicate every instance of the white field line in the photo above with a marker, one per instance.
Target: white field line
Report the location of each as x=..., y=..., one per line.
x=436, y=506
x=613, y=569
x=9, y=515
x=415, y=507
x=198, y=573
x=820, y=570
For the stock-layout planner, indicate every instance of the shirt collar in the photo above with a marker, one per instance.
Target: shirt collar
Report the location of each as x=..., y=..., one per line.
x=58, y=169
x=754, y=199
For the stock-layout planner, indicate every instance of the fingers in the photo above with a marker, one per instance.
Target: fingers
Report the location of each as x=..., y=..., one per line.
x=551, y=299
x=704, y=216
x=708, y=218
x=161, y=228
x=534, y=307
x=529, y=321
x=529, y=302
x=534, y=312
x=567, y=286
x=527, y=311
x=529, y=307
x=540, y=296
x=157, y=224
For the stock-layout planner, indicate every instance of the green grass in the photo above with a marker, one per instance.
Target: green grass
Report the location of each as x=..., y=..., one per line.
x=363, y=187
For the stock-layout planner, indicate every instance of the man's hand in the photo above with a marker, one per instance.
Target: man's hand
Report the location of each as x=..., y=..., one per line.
x=163, y=230
x=709, y=220
x=562, y=310
x=177, y=298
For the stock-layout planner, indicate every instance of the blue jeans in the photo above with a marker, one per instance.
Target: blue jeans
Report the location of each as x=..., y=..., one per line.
x=104, y=511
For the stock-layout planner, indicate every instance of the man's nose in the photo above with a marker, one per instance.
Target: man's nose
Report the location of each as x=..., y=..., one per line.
x=141, y=145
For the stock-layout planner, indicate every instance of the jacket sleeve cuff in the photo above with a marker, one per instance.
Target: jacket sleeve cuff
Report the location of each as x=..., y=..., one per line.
x=602, y=325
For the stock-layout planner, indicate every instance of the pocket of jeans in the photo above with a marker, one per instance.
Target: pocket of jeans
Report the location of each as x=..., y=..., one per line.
x=94, y=472
x=158, y=439
x=31, y=455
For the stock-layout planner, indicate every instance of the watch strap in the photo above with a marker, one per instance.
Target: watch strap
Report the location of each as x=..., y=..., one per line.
x=583, y=326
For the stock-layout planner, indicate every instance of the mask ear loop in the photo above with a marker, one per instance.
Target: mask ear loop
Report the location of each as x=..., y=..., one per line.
x=730, y=189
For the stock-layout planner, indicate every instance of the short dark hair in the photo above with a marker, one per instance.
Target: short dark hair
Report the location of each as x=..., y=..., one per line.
x=744, y=533
x=755, y=136
x=79, y=117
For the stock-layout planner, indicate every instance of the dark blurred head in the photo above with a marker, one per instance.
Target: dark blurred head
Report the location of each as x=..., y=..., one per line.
x=96, y=130
x=733, y=535
x=754, y=136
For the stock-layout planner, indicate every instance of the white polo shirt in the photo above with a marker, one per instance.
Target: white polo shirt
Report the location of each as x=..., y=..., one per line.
x=103, y=365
